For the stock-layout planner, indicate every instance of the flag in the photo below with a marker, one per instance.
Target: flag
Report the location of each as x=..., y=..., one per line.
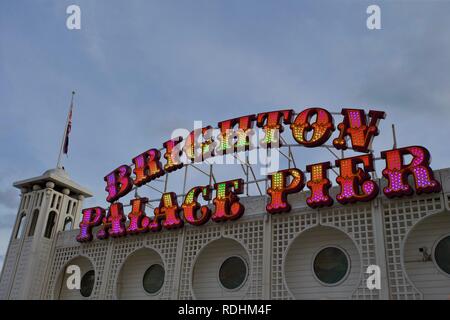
x=68, y=128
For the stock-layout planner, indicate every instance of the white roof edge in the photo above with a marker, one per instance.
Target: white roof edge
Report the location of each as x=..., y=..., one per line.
x=58, y=179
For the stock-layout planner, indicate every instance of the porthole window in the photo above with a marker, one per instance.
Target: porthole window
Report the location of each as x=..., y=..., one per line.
x=233, y=273
x=442, y=254
x=87, y=283
x=153, y=279
x=331, y=265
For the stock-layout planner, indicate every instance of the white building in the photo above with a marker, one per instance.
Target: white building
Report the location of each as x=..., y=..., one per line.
x=304, y=254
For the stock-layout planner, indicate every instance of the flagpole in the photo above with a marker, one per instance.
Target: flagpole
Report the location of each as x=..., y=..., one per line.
x=58, y=165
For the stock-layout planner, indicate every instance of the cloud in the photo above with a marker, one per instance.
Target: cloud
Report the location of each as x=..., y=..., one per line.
x=7, y=220
x=145, y=68
x=9, y=198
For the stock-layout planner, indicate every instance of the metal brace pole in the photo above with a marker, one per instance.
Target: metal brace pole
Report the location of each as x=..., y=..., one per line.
x=185, y=178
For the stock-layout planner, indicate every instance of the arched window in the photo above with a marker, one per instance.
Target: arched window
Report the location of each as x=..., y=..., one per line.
x=21, y=226
x=68, y=224
x=50, y=224
x=34, y=220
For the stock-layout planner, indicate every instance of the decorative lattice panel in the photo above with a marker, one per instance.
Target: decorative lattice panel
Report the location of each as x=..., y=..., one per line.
x=194, y=240
x=285, y=228
x=399, y=217
x=356, y=222
x=248, y=233
x=95, y=251
x=165, y=243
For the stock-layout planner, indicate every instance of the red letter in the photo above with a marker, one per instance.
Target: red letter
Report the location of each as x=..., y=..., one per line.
x=354, y=125
x=172, y=155
x=319, y=185
x=206, y=147
x=113, y=223
x=270, y=123
x=227, y=205
x=322, y=128
x=279, y=189
x=397, y=173
x=147, y=167
x=92, y=217
x=118, y=183
x=243, y=134
x=138, y=219
x=168, y=211
x=353, y=179
x=191, y=206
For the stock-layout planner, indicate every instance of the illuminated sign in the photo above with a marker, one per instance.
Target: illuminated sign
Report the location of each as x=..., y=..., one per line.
x=356, y=131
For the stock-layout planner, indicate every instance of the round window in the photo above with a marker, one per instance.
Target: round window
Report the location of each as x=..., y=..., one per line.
x=87, y=283
x=233, y=273
x=331, y=265
x=153, y=278
x=442, y=254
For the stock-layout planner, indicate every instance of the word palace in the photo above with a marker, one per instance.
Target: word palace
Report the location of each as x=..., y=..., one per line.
x=310, y=128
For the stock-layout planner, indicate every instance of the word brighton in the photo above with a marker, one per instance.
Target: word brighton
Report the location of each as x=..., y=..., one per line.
x=356, y=185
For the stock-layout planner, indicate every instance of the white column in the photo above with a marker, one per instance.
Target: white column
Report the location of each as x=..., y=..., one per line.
x=380, y=246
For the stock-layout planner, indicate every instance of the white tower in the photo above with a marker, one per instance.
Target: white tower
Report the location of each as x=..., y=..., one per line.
x=49, y=204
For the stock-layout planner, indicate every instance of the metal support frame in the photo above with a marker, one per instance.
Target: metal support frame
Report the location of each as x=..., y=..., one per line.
x=247, y=168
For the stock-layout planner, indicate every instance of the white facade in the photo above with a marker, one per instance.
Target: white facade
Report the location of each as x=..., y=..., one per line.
x=278, y=250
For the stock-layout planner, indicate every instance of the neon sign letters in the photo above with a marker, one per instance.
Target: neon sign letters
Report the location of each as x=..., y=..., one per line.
x=356, y=131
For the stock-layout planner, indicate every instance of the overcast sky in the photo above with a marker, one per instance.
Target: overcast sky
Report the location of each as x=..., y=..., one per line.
x=144, y=68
